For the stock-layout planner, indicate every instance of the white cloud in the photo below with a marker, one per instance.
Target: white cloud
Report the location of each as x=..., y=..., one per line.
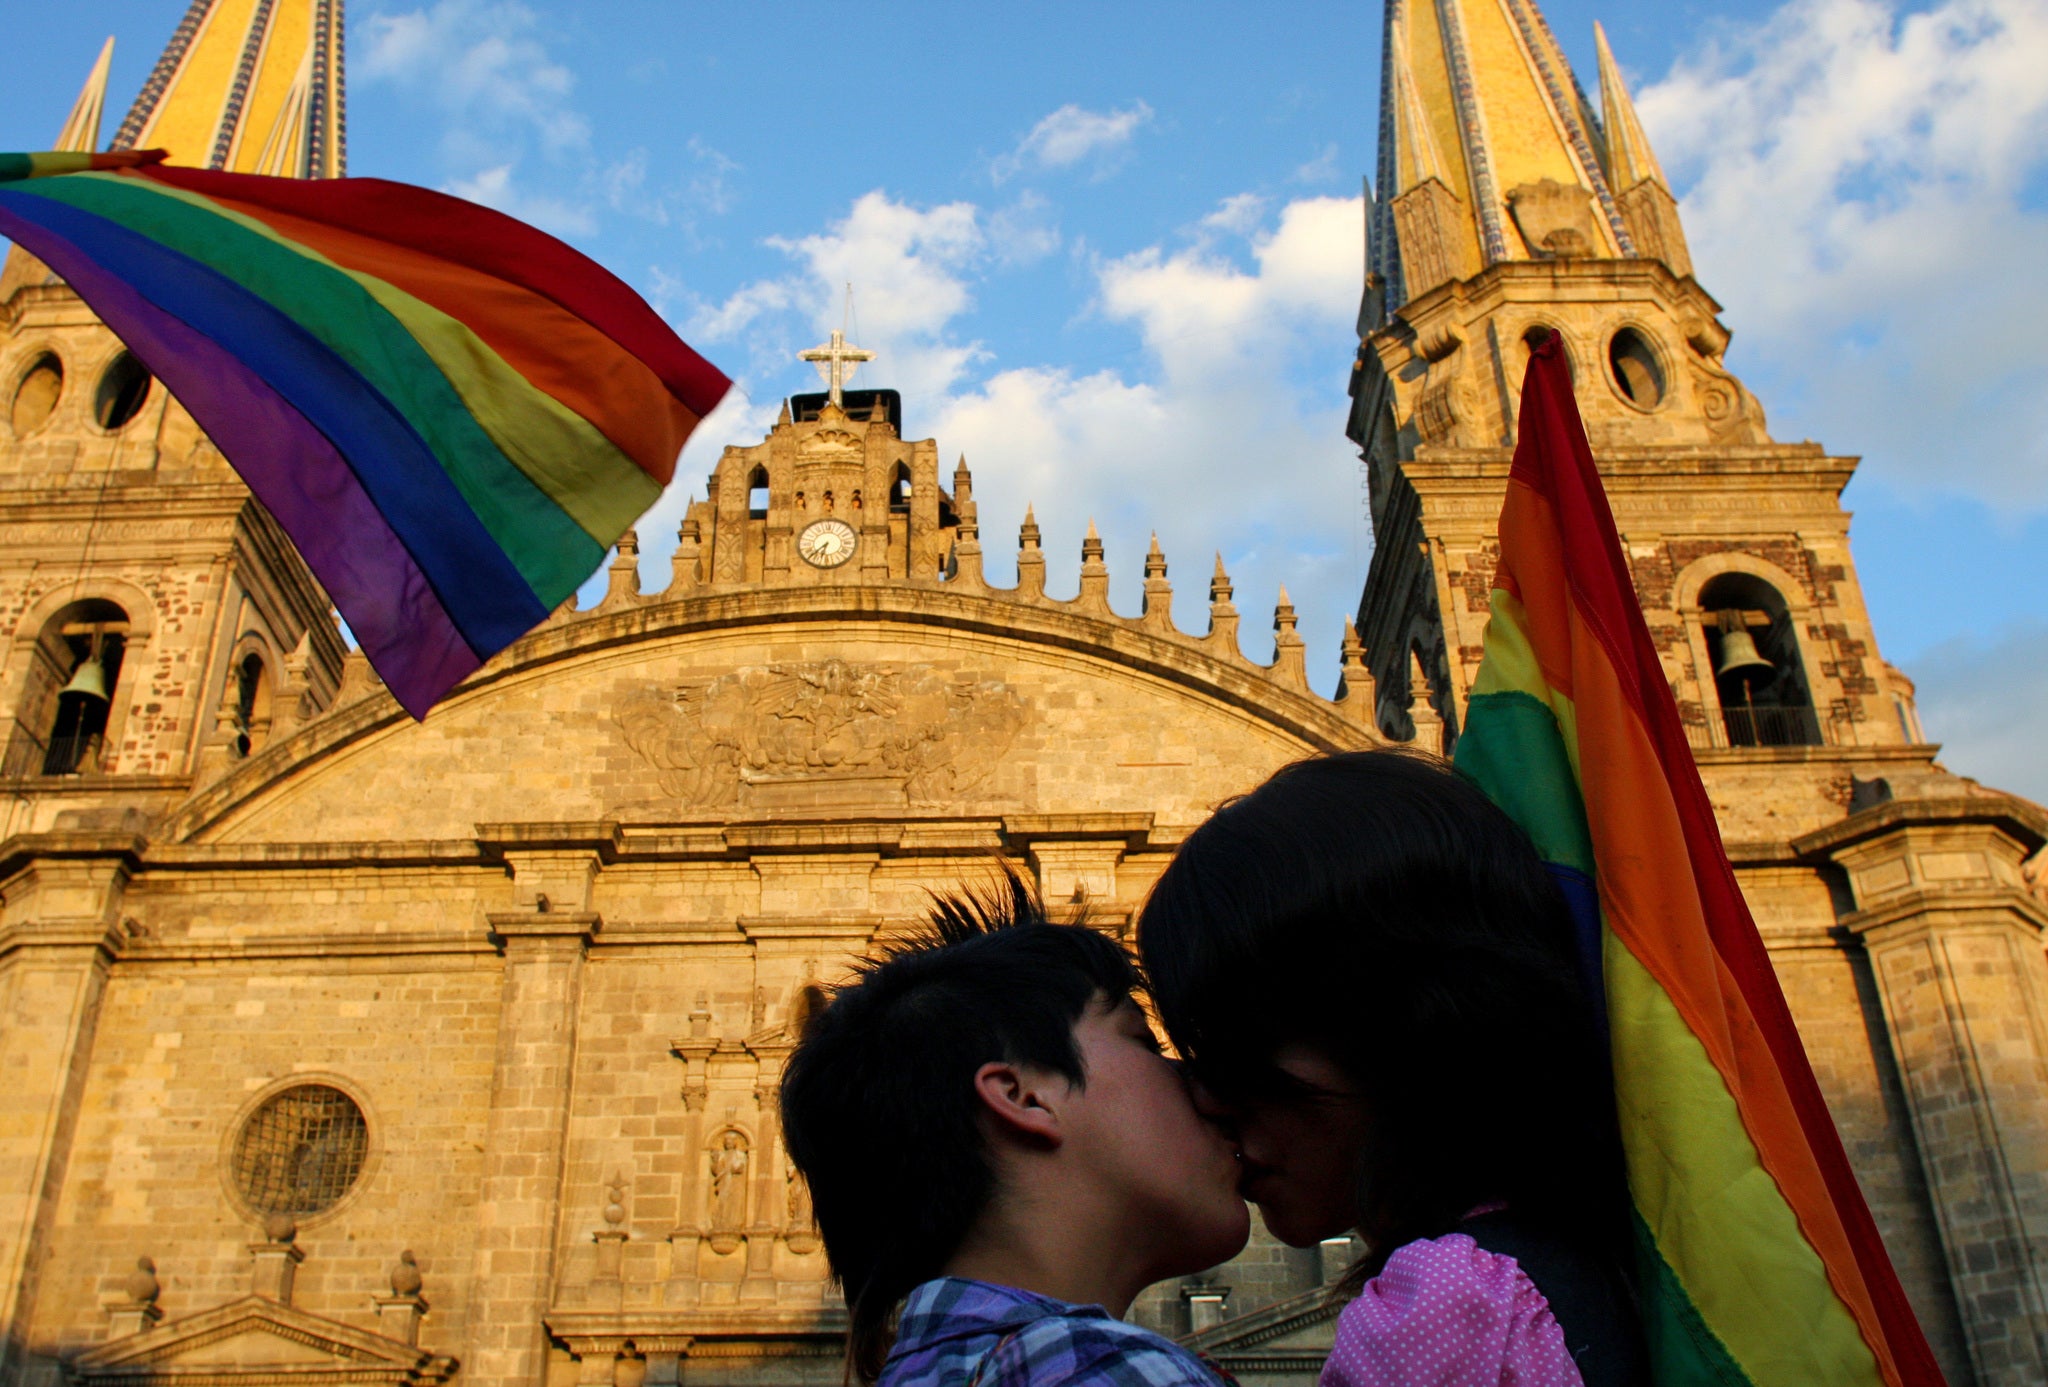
x=481, y=62
x=1238, y=214
x=1858, y=195
x=909, y=268
x=1072, y=134
x=1986, y=701
x=494, y=187
x=1320, y=169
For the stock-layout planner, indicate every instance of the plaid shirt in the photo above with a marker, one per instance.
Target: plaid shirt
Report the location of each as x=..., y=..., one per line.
x=954, y=1332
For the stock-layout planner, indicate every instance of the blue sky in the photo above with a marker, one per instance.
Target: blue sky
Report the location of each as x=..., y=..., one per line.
x=1111, y=253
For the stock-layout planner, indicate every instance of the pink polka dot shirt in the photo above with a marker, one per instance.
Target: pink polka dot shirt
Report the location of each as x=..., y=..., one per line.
x=1444, y=1312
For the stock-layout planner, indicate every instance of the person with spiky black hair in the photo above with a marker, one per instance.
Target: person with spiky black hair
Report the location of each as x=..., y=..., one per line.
x=1000, y=1157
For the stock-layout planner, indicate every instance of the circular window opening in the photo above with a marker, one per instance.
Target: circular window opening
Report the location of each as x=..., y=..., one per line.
x=301, y=1151
x=123, y=388
x=37, y=394
x=1636, y=373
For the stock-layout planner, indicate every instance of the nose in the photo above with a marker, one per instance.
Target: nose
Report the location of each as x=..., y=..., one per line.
x=1207, y=1105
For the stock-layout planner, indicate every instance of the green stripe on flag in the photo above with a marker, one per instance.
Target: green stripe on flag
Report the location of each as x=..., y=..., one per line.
x=1512, y=747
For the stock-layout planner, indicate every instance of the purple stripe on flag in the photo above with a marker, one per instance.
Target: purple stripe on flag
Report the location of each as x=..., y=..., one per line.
x=295, y=471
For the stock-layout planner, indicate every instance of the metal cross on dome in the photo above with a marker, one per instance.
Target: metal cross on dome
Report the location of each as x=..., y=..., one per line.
x=836, y=363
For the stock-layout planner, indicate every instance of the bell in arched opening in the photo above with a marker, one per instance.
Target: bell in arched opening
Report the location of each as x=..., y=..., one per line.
x=1740, y=659
x=89, y=679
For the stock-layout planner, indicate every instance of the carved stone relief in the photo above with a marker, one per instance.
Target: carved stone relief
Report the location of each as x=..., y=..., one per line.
x=1555, y=219
x=781, y=735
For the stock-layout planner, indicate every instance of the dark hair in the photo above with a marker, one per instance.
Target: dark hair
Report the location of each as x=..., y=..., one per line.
x=878, y=1103
x=1377, y=906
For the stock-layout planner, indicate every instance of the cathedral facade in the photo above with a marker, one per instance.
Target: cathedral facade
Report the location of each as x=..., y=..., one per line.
x=345, y=1048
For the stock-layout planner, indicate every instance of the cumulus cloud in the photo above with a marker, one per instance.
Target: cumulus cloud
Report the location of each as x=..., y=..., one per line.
x=910, y=269
x=482, y=62
x=1862, y=190
x=1986, y=701
x=1072, y=134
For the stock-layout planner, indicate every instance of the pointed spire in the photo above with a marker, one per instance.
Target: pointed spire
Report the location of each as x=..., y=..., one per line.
x=1222, y=615
x=1094, y=573
x=1290, y=657
x=1428, y=723
x=223, y=92
x=81, y=132
x=684, y=564
x=1629, y=157
x=1357, y=695
x=623, y=578
x=1479, y=99
x=1640, y=191
x=782, y=419
x=1157, y=613
x=965, y=565
x=1030, y=559
x=285, y=147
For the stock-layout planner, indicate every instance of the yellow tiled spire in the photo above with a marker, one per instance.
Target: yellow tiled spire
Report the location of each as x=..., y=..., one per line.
x=81, y=133
x=1480, y=93
x=250, y=86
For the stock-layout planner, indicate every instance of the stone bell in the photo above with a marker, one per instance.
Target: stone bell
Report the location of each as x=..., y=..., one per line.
x=1739, y=655
x=89, y=680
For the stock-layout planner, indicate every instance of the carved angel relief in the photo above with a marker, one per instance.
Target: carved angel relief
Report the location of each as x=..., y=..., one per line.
x=748, y=737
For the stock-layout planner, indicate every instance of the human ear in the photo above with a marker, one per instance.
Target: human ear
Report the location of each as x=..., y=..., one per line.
x=1018, y=1100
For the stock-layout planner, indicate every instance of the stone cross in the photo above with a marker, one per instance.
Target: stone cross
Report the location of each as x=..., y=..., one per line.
x=836, y=363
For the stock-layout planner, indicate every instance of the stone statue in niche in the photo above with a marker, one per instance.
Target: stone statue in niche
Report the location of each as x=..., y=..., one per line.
x=763, y=734
x=730, y=1161
x=802, y=1228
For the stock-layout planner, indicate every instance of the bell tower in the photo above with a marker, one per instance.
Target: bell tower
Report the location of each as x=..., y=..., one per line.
x=1890, y=892
x=159, y=626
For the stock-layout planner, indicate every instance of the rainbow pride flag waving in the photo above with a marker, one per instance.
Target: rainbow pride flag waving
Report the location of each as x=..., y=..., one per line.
x=451, y=413
x=1759, y=1260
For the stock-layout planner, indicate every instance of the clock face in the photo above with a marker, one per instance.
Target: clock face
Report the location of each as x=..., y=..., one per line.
x=826, y=543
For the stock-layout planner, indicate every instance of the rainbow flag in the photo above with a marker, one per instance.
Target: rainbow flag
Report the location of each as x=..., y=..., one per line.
x=1759, y=1261
x=452, y=414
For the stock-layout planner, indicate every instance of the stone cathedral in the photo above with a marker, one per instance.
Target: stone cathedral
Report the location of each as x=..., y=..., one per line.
x=339, y=1048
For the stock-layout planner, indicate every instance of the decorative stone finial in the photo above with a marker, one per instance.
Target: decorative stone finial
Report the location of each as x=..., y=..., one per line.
x=1222, y=615
x=405, y=1275
x=1158, y=608
x=141, y=1285
x=281, y=1228
x=1290, y=659
x=1030, y=558
x=615, y=1201
x=133, y=1309
x=1429, y=724
x=1094, y=574
x=1356, y=693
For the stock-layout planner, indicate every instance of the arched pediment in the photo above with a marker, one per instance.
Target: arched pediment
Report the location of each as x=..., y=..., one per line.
x=865, y=700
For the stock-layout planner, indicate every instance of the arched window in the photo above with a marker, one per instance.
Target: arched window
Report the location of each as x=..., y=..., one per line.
x=1757, y=669
x=124, y=385
x=1633, y=363
x=252, y=703
x=78, y=667
x=36, y=396
x=899, y=490
x=757, y=494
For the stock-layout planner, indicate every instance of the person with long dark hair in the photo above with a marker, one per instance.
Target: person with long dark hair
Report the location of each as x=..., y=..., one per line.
x=1370, y=977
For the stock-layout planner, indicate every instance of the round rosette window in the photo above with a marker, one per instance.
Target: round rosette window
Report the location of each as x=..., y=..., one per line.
x=301, y=1151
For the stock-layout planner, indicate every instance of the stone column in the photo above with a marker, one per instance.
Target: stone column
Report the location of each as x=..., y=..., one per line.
x=1955, y=944
x=521, y=1190
x=58, y=935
